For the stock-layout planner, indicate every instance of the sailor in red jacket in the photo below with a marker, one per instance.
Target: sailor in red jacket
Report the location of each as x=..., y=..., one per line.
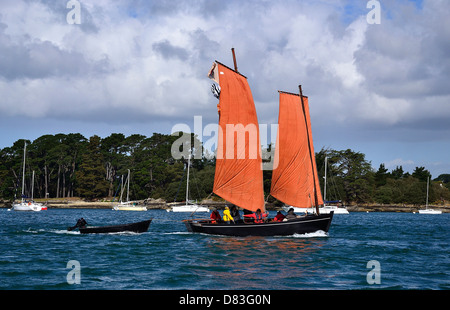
x=215, y=216
x=279, y=217
x=258, y=216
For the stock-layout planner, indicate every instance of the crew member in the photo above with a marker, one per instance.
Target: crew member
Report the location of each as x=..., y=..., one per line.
x=258, y=216
x=215, y=216
x=227, y=216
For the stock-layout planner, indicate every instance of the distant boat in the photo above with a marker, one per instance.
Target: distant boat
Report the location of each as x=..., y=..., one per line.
x=240, y=180
x=188, y=207
x=138, y=227
x=127, y=205
x=326, y=209
x=429, y=211
x=27, y=205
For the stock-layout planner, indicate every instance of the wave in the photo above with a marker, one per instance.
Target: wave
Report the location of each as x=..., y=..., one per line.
x=316, y=234
x=54, y=231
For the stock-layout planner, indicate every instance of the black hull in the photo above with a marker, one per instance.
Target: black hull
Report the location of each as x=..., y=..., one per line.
x=138, y=227
x=303, y=225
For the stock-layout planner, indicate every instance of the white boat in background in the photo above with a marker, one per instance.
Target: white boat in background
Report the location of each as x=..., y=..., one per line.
x=27, y=205
x=326, y=209
x=429, y=211
x=188, y=207
x=337, y=210
x=322, y=210
x=127, y=205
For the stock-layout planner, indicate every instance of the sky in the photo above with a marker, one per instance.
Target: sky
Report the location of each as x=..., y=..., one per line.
x=140, y=66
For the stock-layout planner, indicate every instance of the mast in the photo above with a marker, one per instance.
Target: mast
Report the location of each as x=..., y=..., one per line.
x=121, y=188
x=128, y=185
x=32, y=187
x=325, y=182
x=234, y=60
x=316, y=200
x=428, y=186
x=187, y=182
x=23, y=170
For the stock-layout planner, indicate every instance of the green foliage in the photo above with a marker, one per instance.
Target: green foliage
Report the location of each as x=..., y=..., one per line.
x=91, y=174
x=68, y=165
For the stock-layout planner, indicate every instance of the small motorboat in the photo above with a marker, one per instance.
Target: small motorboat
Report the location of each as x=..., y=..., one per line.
x=138, y=227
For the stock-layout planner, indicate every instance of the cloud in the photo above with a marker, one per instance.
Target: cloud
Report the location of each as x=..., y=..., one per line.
x=146, y=61
x=392, y=164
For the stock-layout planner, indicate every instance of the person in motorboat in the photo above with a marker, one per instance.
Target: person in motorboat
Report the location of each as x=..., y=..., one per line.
x=227, y=216
x=81, y=223
x=258, y=216
x=291, y=215
x=215, y=216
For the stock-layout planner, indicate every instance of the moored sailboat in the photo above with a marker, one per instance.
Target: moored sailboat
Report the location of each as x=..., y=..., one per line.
x=188, y=207
x=127, y=205
x=326, y=208
x=238, y=177
x=429, y=211
x=27, y=205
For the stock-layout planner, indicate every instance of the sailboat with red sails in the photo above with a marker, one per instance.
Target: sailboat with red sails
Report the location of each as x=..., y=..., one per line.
x=239, y=176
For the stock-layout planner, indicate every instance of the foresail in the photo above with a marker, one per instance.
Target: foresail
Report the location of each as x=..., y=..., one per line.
x=293, y=179
x=238, y=176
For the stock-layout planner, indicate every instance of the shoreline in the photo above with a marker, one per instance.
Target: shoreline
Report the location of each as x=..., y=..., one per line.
x=152, y=204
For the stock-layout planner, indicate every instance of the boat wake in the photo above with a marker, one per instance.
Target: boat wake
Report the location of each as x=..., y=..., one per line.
x=54, y=231
x=316, y=234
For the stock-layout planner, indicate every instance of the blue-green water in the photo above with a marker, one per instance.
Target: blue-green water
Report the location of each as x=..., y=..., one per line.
x=412, y=251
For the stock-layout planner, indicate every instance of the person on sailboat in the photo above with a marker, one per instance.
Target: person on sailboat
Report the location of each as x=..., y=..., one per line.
x=258, y=216
x=227, y=216
x=235, y=214
x=291, y=215
x=215, y=216
x=279, y=217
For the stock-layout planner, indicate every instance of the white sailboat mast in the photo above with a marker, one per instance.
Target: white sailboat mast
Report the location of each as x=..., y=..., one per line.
x=187, y=183
x=23, y=170
x=128, y=186
x=32, y=187
x=325, y=183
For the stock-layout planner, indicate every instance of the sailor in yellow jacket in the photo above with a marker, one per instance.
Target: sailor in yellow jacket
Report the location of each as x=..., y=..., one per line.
x=227, y=216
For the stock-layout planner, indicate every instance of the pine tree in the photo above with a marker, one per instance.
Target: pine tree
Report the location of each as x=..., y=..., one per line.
x=91, y=174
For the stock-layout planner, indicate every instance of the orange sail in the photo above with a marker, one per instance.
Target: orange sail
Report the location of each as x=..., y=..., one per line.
x=295, y=181
x=238, y=177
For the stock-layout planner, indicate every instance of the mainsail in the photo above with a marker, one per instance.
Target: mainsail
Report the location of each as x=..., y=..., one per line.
x=295, y=181
x=238, y=177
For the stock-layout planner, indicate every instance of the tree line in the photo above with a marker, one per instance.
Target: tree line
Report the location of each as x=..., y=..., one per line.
x=70, y=165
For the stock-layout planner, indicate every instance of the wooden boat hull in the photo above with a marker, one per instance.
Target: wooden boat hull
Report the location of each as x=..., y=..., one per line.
x=138, y=227
x=303, y=225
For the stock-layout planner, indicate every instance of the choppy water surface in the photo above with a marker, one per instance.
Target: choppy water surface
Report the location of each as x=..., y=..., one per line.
x=412, y=251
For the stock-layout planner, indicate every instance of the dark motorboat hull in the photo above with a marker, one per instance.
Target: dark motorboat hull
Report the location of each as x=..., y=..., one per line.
x=138, y=227
x=303, y=225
